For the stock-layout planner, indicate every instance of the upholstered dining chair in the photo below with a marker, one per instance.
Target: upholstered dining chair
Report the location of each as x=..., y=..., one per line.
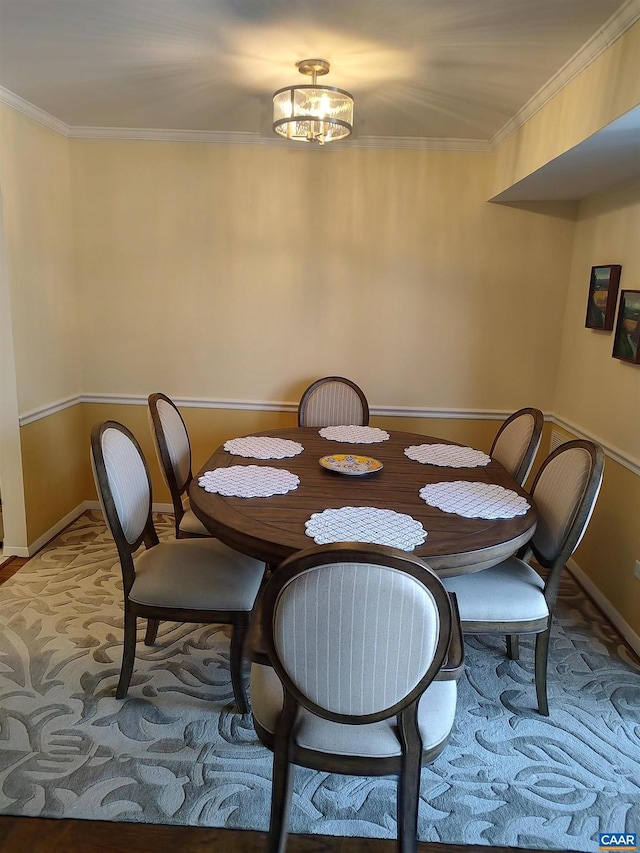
x=333, y=401
x=517, y=442
x=356, y=636
x=512, y=598
x=190, y=580
x=173, y=450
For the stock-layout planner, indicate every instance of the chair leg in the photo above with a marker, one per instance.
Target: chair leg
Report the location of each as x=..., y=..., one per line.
x=541, y=657
x=236, y=664
x=409, y=781
x=128, y=654
x=513, y=647
x=408, y=796
x=281, y=796
x=152, y=631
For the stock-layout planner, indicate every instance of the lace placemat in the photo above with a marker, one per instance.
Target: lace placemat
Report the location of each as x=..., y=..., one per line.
x=249, y=481
x=447, y=455
x=263, y=447
x=366, y=524
x=474, y=500
x=354, y=434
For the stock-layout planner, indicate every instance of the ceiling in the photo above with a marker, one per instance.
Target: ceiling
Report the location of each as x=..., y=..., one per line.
x=421, y=71
x=436, y=69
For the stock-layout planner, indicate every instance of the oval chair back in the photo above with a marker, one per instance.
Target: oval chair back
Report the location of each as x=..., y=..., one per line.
x=565, y=491
x=122, y=482
x=173, y=449
x=333, y=401
x=517, y=442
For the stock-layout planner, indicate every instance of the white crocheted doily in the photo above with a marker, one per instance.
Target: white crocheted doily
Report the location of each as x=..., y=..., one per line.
x=249, y=481
x=366, y=524
x=354, y=434
x=263, y=447
x=447, y=455
x=474, y=500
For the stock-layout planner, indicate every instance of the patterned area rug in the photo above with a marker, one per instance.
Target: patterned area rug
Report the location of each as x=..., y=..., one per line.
x=175, y=752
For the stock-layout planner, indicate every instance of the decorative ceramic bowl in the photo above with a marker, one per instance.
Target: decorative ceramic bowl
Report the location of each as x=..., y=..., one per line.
x=348, y=463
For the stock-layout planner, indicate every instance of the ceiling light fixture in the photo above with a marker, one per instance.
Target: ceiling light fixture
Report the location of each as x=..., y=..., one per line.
x=313, y=113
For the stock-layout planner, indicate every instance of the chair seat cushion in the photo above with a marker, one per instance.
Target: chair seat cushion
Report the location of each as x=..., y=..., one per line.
x=436, y=712
x=190, y=523
x=512, y=591
x=196, y=574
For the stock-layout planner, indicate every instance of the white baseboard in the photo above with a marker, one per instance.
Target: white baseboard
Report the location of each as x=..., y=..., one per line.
x=605, y=605
x=19, y=551
x=53, y=531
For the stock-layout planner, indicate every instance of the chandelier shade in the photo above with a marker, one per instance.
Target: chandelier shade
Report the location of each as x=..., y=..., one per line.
x=313, y=113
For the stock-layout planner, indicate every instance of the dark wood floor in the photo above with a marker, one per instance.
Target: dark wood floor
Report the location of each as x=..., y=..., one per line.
x=43, y=835
x=10, y=568
x=40, y=835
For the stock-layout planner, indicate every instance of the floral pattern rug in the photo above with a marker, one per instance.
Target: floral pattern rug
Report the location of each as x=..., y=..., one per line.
x=175, y=752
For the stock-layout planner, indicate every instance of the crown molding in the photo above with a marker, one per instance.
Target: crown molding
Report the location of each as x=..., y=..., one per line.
x=31, y=111
x=418, y=143
x=160, y=135
x=217, y=137
x=142, y=134
x=617, y=25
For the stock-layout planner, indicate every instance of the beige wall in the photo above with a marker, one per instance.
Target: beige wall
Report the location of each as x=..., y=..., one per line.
x=595, y=391
x=242, y=272
x=38, y=284
x=55, y=463
x=607, y=89
x=36, y=191
x=601, y=394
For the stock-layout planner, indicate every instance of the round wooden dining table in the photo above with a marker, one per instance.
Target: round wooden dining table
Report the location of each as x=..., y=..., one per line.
x=272, y=528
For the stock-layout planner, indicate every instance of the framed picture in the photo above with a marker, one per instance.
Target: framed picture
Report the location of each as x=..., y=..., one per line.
x=627, y=338
x=603, y=292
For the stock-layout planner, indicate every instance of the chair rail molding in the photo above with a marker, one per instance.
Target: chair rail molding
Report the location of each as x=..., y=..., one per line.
x=619, y=456
x=47, y=409
x=427, y=412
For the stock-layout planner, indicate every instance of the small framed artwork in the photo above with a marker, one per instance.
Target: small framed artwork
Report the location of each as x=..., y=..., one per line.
x=603, y=293
x=627, y=338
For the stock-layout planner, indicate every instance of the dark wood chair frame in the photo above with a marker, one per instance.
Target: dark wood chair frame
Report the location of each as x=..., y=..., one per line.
x=554, y=566
x=302, y=406
x=153, y=614
x=534, y=443
x=177, y=490
x=406, y=765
